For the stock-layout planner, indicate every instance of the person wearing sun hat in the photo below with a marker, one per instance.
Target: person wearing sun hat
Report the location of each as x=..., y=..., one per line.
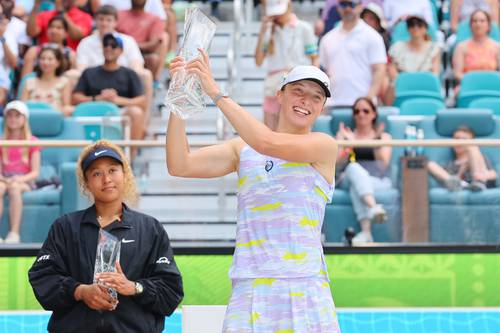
x=373, y=15
x=147, y=280
x=19, y=166
x=284, y=42
x=286, y=177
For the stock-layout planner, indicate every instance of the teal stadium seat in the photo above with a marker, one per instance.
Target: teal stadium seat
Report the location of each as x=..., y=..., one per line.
x=43, y=206
x=101, y=110
x=339, y=215
x=421, y=107
x=417, y=85
x=464, y=33
x=480, y=84
x=34, y=106
x=463, y=217
x=492, y=103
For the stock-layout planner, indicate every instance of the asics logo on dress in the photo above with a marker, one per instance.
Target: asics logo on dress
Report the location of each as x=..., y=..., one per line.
x=127, y=240
x=97, y=153
x=163, y=260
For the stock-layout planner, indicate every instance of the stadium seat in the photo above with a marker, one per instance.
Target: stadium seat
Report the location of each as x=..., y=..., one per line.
x=43, y=206
x=339, y=215
x=463, y=216
x=400, y=33
x=492, y=103
x=417, y=85
x=477, y=85
x=464, y=33
x=100, y=130
x=421, y=107
x=35, y=106
x=22, y=84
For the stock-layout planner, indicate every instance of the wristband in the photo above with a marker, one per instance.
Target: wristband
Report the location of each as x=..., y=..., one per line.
x=219, y=96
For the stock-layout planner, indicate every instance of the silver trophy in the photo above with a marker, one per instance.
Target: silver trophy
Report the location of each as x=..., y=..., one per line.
x=108, y=253
x=185, y=96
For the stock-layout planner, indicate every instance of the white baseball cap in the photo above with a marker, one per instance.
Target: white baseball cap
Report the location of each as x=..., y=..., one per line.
x=311, y=73
x=276, y=7
x=19, y=106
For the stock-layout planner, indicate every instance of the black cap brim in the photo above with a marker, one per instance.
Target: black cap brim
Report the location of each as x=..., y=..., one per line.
x=100, y=153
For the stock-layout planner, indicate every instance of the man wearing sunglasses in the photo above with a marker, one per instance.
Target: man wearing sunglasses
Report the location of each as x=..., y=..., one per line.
x=114, y=83
x=353, y=54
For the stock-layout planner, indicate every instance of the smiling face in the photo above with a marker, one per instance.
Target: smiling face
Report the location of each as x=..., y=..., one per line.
x=363, y=113
x=301, y=103
x=48, y=61
x=105, y=180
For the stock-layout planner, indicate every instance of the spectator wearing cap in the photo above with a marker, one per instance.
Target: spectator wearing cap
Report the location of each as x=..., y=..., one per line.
x=285, y=181
x=373, y=15
x=8, y=56
x=419, y=54
x=19, y=166
x=353, y=55
x=79, y=22
x=148, y=31
x=397, y=10
x=90, y=53
x=114, y=83
x=286, y=42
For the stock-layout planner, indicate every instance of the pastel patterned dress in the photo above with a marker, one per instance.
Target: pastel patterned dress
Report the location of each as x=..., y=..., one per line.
x=279, y=275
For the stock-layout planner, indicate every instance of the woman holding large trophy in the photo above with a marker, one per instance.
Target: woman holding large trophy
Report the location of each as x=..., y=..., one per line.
x=107, y=268
x=286, y=177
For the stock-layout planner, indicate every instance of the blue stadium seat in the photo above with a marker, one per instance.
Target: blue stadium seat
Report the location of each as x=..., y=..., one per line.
x=417, y=85
x=477, y=85
x=400, y=32
x=339, y=215
x=464, y=33
x=421, y=107
x=35, y=106
x=101, y=110
x=492, y=103
x=43, y=206
x=463, y=216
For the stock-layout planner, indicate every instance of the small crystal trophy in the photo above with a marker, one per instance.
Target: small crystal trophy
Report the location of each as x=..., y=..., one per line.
x=108, y=253
x=185, y=96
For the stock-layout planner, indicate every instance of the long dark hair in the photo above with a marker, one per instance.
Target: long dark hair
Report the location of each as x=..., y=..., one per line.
x=372, y=106
x=56, y=51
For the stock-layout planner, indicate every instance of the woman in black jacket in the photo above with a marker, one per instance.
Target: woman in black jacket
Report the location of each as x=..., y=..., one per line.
x=147, y=280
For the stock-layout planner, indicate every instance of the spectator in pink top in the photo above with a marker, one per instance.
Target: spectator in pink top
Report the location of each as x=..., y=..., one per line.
x=148, y=31
x=19, y=166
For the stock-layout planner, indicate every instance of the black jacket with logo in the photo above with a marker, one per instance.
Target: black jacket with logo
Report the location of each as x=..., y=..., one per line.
x=67, y=259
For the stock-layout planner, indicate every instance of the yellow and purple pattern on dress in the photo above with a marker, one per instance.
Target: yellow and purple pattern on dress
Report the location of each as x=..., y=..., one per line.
x=279, y=274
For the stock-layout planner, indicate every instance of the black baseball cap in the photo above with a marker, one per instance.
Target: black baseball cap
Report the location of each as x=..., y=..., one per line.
x=100, y=152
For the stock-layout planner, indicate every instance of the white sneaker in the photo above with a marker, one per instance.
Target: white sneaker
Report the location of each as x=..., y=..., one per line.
x=378, y=214
x=12, y=238
x=361, y=238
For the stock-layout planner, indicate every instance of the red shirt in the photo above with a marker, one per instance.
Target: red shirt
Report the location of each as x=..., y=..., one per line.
x=14, y=164
x=142, y=26
x=78, y=17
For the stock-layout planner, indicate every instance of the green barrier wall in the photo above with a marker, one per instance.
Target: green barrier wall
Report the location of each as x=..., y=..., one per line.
x=358, y=280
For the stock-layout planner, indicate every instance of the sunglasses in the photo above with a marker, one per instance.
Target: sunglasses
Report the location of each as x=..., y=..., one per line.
x=358, y=111
x=415, y=23
x=347, y=4
x=112, y=45
x=52, y=46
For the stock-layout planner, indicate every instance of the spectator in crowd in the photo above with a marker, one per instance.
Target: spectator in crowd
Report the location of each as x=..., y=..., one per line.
x=49, y=85
x=461, y=10
x=153, y=7
x=148, y=31
x=116, y=84
x=353, y=55
x=16, y=27
x=329, y=15
x=88, y=6
x=171, y=30
x=147, y=280
x=8, y=57
x=57, y=34
x=469, y=169
x=479, y=53
x=365, y=170
x=397, y=10
x=286, y=42
x=19, y=166
x=373, y=15
x=79, y=22
x=90, y=52
x=419, y=54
